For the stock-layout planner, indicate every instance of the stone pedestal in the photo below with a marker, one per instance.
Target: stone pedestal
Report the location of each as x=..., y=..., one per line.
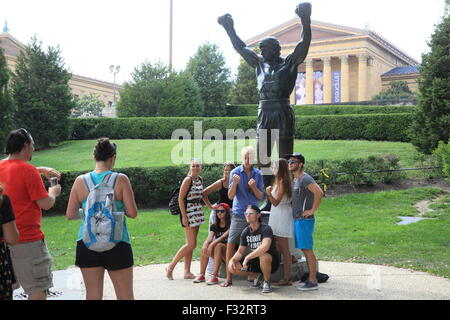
x=297, y=270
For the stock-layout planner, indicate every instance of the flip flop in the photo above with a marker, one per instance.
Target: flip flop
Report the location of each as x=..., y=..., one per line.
x=167, y=274
x=226, y=284
x=189, y=276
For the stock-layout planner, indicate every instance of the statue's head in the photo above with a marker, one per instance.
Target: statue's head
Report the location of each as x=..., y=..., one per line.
x=270, y=48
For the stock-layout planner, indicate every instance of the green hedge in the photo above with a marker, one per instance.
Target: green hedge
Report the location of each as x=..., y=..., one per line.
x=150, y=128
x=382, y=127
x=153, y=186
x=330, y=110
x=308, y=110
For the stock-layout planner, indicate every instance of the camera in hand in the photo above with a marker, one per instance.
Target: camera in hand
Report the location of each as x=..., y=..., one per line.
x=53, y=181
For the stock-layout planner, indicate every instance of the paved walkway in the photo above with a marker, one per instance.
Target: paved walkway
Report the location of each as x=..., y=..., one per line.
x=347, y=281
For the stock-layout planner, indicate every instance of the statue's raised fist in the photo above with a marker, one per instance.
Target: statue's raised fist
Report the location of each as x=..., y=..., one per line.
x=303, y=10
x=226, y=21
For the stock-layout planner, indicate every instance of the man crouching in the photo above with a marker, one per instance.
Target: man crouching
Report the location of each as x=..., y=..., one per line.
x=263, y=259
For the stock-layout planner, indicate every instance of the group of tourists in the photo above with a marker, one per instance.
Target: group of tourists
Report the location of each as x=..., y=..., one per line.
x=294, y=196
x=236, y=235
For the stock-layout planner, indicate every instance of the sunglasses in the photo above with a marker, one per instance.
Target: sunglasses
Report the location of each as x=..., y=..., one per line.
x=25, y=133
x=293, y=161
x=249, y=213
x=221, y=211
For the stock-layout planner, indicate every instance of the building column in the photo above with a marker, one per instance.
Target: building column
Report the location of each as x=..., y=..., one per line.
x=345, y=79
x=327, y=84
x=309, y=81
x=362, y=77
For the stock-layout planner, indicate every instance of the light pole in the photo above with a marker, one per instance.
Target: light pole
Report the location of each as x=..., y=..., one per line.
x=171, y=36
x=114, y=70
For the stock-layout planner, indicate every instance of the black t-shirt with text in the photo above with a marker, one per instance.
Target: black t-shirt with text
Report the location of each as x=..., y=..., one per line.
x=253, y=239
x=218, y=231
x=6, y=213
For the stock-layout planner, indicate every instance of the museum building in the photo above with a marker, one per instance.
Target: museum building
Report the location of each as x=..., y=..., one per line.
x=344, y=64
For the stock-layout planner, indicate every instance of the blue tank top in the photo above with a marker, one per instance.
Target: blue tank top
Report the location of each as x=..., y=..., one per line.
x=98, y=178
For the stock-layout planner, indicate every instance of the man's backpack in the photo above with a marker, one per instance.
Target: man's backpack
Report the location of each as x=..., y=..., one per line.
x=102, y=225
x=174, y=207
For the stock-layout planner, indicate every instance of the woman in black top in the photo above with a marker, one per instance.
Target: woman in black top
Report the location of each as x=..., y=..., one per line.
x=215, y=245
x=221, y=185
x=8, y=234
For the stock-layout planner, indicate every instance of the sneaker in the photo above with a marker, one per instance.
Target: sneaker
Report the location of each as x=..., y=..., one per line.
x=308, y=286
x=212, y=281
x=258, y=281
x=267, y=287
x=198, y=279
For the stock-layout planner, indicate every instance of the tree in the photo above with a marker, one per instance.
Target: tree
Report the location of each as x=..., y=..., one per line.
x=432, y=118
x=143, y=94
x=182, y=97
x=153, y=91
x=245, y=89
x=397, y=90
x=42, y=94
x=6, y=103
x=208, y=68
x=89, y=103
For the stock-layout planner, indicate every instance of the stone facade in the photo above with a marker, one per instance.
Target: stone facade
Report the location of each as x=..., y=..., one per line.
x=356, y=59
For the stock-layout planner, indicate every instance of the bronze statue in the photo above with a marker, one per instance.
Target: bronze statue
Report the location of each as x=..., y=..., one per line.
x=276, y=78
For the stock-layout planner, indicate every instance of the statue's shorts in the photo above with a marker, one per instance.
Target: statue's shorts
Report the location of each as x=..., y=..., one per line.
x=278, y=115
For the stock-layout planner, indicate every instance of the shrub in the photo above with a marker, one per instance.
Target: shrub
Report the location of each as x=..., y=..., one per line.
x=240, y=110
x=383, y=127
x=442, y=155
x=153, y=186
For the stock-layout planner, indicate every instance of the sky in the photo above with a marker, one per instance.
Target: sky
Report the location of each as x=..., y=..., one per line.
x=95, y=34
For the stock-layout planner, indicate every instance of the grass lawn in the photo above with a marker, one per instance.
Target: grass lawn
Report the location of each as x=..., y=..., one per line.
x=351, y=228
x=77, y=155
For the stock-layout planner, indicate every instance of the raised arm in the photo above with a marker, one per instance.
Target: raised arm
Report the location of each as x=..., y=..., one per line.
x=303, y=11
x=246, y=53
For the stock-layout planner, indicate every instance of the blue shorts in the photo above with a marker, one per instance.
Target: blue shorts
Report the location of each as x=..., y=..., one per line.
x=303, y=233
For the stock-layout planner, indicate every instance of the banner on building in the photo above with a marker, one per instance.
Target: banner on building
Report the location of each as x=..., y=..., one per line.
x=300, y=88
x=336, y=83
x=318, y=87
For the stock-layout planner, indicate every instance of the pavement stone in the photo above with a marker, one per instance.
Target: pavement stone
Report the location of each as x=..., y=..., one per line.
x=348, y=281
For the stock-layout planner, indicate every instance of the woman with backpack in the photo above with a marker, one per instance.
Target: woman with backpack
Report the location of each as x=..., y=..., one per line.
x=114, y=200
x=8, y=235
x=191, y=217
